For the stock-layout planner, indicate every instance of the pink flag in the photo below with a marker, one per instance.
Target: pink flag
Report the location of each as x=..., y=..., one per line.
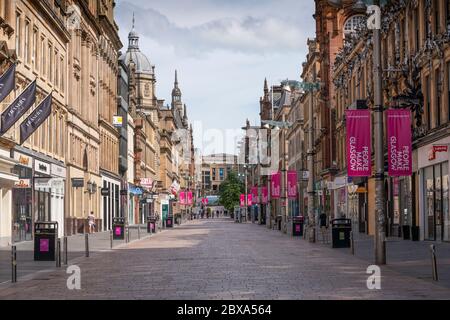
x=249, y=200
x=265, y=195
x=242, y=200
x=275, y=185
x=205, y=201
x=292, y=184
x=399, y=142
x=190, y=198
x=255, y=194
x=182, y=198
x=359, y=163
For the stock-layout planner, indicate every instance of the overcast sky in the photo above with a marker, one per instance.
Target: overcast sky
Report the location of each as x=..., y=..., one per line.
x=223, y=50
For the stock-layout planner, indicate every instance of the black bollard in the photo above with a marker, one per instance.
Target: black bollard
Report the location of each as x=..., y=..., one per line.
x=14, y=264
x=86, y=244
x=58, y=253
x=65, y=251
x=434, y=263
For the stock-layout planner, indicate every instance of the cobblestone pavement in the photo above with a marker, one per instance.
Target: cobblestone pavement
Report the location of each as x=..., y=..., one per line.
x=26, y=265
x=218, y=259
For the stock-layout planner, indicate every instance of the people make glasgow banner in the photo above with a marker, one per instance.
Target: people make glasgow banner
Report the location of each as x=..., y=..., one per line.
x=399, y=135
x=36, y=118
x=18, y=108
x=275, y=185
x=292, y=184
x=7, y=82
x=359, y=162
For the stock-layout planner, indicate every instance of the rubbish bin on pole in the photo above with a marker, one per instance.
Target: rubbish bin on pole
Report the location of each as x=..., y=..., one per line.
x=297, y=226
x=119, y=228
x=151, y=224
x=169, y=222
x=45, y=235
x=341, y=230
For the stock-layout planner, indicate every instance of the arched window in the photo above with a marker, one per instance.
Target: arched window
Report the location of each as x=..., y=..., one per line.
x=352, y=23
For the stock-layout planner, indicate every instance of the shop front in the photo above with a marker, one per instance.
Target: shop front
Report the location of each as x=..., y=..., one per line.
x=110, y=201
x=7, y=181
x=134, y=196
x=434, y=191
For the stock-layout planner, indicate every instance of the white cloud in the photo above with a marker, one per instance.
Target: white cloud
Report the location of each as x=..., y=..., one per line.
x=223, y=50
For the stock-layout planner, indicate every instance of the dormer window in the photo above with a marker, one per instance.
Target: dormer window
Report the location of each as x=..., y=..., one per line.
x=352, y=24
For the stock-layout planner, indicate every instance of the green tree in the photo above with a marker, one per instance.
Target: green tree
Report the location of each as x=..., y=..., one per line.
x=230, y=191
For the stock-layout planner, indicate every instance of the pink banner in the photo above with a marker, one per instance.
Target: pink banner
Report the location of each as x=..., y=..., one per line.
x=359, y=163
x=265, y=195
x=399, y=142
x=275, y=185
x=183, y=198
x=292, y=184
x=242, y=200
x=190, y=198
x=249, y=200
x=255, y=195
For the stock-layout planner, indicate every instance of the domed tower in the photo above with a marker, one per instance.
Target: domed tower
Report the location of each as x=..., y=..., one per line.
x=144, y=70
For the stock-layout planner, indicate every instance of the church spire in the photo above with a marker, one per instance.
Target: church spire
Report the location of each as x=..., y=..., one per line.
x=176, y=92
x=266, y=87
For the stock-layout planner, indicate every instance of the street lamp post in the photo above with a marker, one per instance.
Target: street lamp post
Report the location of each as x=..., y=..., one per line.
x=311, y=153
x=374, y=23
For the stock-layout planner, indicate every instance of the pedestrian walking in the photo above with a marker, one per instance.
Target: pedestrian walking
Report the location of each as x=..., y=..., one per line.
x=91, y=222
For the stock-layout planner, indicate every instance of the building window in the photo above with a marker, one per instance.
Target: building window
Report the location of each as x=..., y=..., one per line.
x=50, y=63
x=436, y=14
x=26, y=51
x=34, y=49
x=447, y=14
x=18, y=48
x=428, y=101
x=43, y=55
x=352, y=24
x=448, y=90
x=438, y=97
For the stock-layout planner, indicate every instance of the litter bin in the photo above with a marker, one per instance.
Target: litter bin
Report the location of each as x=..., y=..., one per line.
x=297, y=226
x=279, y=218
x=341, y=230
x=118, y=228
x=169, y=222
x=45, y=234
x=415, y=232
x=406, y=230
x=151, y=224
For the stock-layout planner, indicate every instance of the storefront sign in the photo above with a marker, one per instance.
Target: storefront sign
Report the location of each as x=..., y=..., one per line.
x=292, y=184
x=58, y=171
x=436, y=149
x=275, y=185
x=358, y=143
x=56, y=183
x=265, y=195
x=42, y=183
x=42, y=167
x=399, y=142
x=304, y=175
x=135, y=190
x=147, y=182
x=105, y=192
x=22, y=184
x=23, y=160
x=117, y=121
x=77, y=182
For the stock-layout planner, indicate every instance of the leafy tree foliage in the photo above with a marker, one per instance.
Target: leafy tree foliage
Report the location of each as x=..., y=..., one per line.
x=230, y=191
